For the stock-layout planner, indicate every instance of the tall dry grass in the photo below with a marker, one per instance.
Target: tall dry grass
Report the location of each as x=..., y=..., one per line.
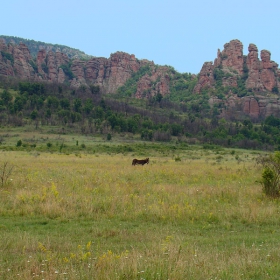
x=98, y=217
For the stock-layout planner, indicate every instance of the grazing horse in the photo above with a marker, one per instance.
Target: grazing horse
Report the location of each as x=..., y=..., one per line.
x=140, y=161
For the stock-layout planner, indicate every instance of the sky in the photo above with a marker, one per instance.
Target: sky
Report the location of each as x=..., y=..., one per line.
x=180, y=33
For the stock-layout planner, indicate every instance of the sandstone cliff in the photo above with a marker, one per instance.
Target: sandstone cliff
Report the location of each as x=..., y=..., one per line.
x=57, y=67
x=35, y=46
x=261, y=79
x=230, y=73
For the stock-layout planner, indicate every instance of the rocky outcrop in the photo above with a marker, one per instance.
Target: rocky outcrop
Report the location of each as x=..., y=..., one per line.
x=253, y=65
x=49, y=64
x=109, y=74
x=261, y=107
x=56, y=67
x=231, y=57
x=269, y=70
x=118, y=70
x=6, y=67
x=35, y=46
x=251, y=107
x=260, y=76
x=206, y=77
x=14, y=61
x=262, y=73
x=153, y=83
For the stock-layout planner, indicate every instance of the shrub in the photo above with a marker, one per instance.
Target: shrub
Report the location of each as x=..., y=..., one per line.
x=19, y=143
x=5, y=172
x=271, y=174
x=177, y=158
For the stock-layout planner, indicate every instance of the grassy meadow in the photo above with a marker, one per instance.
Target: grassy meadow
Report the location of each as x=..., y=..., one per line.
x=192, y=213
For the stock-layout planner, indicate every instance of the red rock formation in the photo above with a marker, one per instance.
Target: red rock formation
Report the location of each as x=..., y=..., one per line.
x=206, y=77
x=253, y=64
x=41, y=59
x=119, y=68
x=157, y=82
x=232, y=56
x=251, y=107
x=19, y=64
x=267, y=76
x=6, y=67
x=262, y=77
x=230, y=60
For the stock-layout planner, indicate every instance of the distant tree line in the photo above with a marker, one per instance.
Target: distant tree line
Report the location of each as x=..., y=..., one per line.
x=86, y=111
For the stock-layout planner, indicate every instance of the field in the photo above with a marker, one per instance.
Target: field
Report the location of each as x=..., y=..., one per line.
x=192, y=213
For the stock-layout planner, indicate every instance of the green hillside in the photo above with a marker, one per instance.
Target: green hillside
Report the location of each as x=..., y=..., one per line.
x=35, y=46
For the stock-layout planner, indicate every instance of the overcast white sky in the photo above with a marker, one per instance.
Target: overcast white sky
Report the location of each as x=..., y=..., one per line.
x=180, y=33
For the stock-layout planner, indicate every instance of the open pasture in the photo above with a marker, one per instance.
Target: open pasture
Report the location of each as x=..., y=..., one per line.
x=200, y=215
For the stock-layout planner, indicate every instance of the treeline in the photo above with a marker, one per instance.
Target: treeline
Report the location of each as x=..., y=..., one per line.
x=86, y=111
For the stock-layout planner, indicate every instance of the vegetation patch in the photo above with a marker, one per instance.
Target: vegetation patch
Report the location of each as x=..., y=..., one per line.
x=95, y=216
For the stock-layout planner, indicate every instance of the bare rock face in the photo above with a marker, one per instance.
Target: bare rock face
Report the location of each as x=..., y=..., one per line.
x=261, y=77
x=61, y=76
x=253, y=64
x=22, y=58
x=6, y=67
x=14, y=61
x=95, y=70
x=206, y=77
x=41, y=57
x=150, y=85
x=262, y=74
x=119, y=68
x=53, y=61
x=78, y=70
x=269, y=68
x=231, y=56
x=251, y=107
x=49, y=66
x=230, y=60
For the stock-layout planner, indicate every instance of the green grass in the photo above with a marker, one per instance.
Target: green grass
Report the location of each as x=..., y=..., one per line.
x=95, y=216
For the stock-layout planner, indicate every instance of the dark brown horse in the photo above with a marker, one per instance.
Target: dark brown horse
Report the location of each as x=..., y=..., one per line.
x=140, y=161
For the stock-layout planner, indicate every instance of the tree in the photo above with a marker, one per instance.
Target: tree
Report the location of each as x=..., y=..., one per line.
x=6, y=97
x=88, y=106
x=19, y=103
x=158, y=97
x=64, y=103
x=94, y=89
x=52, y=102
x=77, y=105
x=34, y=115
x=132, y=124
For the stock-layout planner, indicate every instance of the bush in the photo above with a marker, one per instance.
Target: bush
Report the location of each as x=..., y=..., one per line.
x=19, y=143
x=271, y=174
x=177, y=158
x=5, y=172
